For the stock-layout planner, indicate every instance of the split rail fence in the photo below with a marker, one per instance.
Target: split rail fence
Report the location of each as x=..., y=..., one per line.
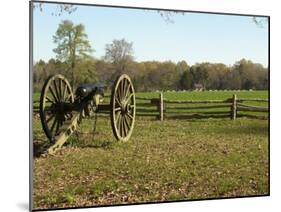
x=232, y=108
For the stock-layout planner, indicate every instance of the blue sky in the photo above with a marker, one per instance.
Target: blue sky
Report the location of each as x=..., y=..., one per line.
x=194, y=37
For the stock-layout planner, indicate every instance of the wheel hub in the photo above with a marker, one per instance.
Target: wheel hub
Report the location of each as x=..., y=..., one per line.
x=123, y=107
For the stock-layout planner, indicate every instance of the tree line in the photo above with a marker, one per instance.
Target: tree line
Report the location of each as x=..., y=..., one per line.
x=155, y=75
x=74, y=60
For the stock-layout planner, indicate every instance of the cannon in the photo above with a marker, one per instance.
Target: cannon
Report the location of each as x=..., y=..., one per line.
x=61, y=110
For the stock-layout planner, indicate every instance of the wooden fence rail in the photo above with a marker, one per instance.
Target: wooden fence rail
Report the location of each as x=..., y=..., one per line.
x=197, y=107
x=252, y=100
x=197, y=101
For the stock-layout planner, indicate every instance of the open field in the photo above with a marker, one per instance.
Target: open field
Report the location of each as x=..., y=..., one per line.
x=163, y=161
x=195, y=95
x=198, y=95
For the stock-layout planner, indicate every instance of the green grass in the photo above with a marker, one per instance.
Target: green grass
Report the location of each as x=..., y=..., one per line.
x=169, y=160
x=219, y=95
x=198, y=95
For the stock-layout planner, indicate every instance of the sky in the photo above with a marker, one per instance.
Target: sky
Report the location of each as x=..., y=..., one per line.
x=193, y=37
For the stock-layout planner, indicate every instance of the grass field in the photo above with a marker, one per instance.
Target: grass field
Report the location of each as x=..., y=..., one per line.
x=196, y=95
x=169, y=160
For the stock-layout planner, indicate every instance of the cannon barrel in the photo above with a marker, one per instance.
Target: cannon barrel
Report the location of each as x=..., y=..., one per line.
x=84, y=90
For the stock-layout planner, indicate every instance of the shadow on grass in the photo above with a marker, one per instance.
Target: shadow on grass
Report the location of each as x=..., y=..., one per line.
x=82, y=139
x=93, y=144
x=40, y=147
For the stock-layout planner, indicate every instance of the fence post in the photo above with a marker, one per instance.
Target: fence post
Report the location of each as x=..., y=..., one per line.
x=161, y=107
x=234, y=107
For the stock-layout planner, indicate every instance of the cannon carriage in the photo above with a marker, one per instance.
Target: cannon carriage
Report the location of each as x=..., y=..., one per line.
x=61, y=110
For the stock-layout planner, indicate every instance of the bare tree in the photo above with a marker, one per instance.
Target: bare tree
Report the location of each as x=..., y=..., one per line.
x=260, y=22
x=60, y=8
x=119, y=53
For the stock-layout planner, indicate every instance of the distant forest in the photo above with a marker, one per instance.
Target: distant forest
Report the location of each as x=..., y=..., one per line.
x=75, y=61
x=155, y=75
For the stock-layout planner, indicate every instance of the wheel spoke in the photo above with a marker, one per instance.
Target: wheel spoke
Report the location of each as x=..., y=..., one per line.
x=53, y=94
x=130, y=116
x=121, y=90
x=117, y=109
x=125, y=127
x=66, y=116
x=57, y=127
x=119, y=93
x=128, y=99
x=127, y=90
x=127, y=124
x=123, y=130
x=56, y=90
x=122, y=127
x=64, y=91
x=118, y=101
x=53, y=125
x=69, y=97
x=50, y=118
x=118, y=116
x=49, y=99
x=119, y=124
x=124, y=88
x=60, y=89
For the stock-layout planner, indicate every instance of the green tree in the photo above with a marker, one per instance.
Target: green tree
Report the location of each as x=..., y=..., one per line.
x=182, y=66
x=72, y=44
x=104, y=71
x=38, y=71
x=199, y=73
x=253, y=75
x=186, y=80
x=169, y=76
x=232, y=80
x=87, y=71
x=216, y=74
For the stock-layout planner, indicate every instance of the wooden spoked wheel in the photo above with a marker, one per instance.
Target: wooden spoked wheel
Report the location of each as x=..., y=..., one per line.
x=123, y=108
x=55, y=96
